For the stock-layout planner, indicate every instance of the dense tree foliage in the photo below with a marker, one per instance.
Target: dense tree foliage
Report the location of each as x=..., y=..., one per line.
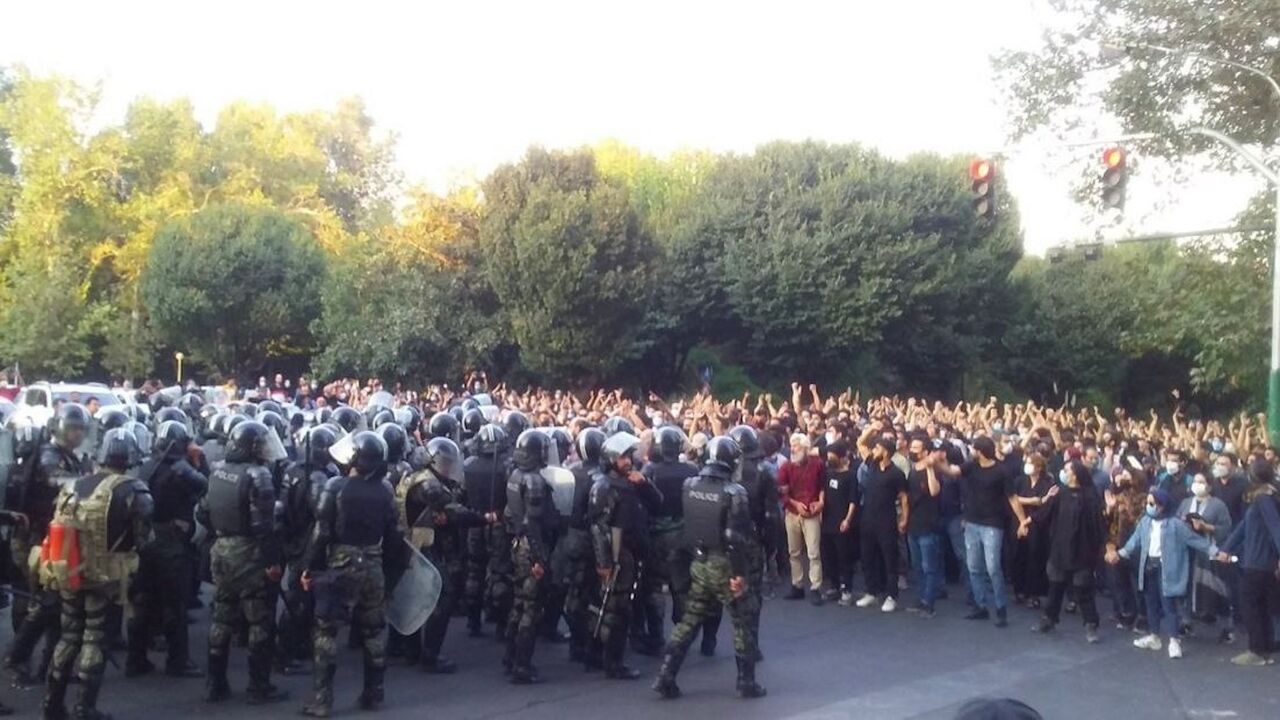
x=287, y=240
x=234, y=284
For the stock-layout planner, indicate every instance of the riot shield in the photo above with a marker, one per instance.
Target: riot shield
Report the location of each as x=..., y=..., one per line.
x=561, y=482
x=8, y=461
x=415, y=596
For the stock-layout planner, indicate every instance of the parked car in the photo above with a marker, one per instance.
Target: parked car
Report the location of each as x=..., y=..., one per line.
x=37, y=401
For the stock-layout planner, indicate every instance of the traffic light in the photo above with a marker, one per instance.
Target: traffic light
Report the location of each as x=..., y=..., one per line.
x=1115, y=176
x=983, y=174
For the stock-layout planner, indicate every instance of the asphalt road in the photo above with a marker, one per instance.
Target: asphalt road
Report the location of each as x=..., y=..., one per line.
x=827, y=662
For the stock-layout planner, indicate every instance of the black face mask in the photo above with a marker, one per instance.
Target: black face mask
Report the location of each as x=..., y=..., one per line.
x=915, y=457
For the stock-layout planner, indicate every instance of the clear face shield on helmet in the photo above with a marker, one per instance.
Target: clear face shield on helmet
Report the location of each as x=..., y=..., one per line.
x=553, y=450
x=343, y=451
x=271, y=449
x=490, y=413
x=447, y=467
x=382, y=398
x=619, y=446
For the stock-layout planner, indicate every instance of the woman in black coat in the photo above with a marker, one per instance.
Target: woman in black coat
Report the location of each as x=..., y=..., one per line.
x=1077, y=538
x=1031, y=553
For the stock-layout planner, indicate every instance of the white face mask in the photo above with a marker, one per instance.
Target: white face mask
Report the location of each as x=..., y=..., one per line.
x=831, y=436
x=1171, y=467
x=1200, y=489
x=1220, y=471
x=1029, y=469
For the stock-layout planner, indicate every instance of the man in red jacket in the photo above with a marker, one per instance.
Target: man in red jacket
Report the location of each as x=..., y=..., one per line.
x=800, y=486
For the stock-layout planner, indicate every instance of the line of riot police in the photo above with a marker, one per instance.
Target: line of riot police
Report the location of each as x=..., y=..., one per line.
x=305, y=522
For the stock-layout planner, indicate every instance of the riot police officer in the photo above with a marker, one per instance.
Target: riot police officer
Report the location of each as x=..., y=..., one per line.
x=583, y=584
x=667, y=564
x=57, y=463
x=164, y=563
x=432, y=509
x=488, y=548
x=246, y=558
x=762, y=496
x=717, y=530
x=528, y=505
x=110, y=512
x=304, y=480
x=397, y=441
x=356, y=525
x=620, y=506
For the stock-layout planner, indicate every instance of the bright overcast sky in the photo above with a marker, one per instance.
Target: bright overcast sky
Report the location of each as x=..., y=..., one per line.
x=468, y=85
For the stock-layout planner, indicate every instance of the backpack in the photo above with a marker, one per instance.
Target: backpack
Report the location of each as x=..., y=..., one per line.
x=419, y=537
x=76, y=553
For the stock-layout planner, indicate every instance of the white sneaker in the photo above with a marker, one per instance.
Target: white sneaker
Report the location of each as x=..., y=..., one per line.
x=846, y=599
x=866, y=601
x=1148, y=642
x=1175, y=648
x=889, y=605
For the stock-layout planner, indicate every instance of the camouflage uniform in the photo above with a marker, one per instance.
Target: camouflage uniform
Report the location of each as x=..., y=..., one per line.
x=528, y=503
x=356, y=523
x=125, y=524
x=619, y=526
x=487, y=572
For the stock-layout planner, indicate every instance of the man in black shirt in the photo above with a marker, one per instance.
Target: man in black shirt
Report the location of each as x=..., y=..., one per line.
x=923, y=489
x=883, y=485
x=987, y=490
x=841, y=502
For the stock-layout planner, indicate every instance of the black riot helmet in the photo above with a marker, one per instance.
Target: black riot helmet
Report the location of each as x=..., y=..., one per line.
x=516, y=423
x=617, y=447
x=409, y=417
x=317, y=442
x=229, y=423
x=723, y=453
x=275, y=422
x=119, y=450
x=396, y=439
x=248, y=409
x=158, y=400
x=444, y=459
x=324, y=415
x=531, y=450
x=472, y=421
x=169, y=414
x=617, y=424
x=369, y=452
x=469, y=404
x=380, y=417
x=141, y=433
x=457, y=412
x=70, y=425
x=347, y=418
x=172, y=440
x=563, y=444
x=490, y=440
x=590, y=443
x=748, y=440
x=111, y=418
x=191, y=404
x=443, y=425
x=668, y=443
x=251, y=441
x=270, y=406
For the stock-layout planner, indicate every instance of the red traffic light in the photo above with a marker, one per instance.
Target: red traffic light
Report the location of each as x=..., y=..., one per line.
x=980, y=169
x=1113, y=157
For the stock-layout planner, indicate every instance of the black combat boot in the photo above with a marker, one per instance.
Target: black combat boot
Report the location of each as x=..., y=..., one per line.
x=322, y=702
x=747, y=686
x=614, y=669
x=665, y=685
x=593, y=656
x=87, y=701
x=261, y=691
x=55, y=697
x=218, y=689
x=373, y=694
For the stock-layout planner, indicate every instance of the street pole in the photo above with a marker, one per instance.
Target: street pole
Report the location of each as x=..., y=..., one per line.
x=1273, y=377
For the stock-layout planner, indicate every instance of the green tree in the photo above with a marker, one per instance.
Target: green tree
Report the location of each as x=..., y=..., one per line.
x=233, y=285
x=409, y=303
x=569, y=260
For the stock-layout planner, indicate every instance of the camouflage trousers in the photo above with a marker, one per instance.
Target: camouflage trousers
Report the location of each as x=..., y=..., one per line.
x=474, y=582
x=616, y=613
x=710, y=574
x=582, y=587
x=36, y=616
x=526, y=608
x=353, y=587
x=242, y=591
x=83, y=619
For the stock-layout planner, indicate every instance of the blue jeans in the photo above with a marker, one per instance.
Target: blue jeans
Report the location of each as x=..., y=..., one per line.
x=983, y=546
x=926, y=565
x=955, y=536
x=1163, y=613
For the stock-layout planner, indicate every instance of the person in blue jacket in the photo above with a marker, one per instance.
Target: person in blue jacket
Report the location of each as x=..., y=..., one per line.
x=1255, y=543
x=1160, y=542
